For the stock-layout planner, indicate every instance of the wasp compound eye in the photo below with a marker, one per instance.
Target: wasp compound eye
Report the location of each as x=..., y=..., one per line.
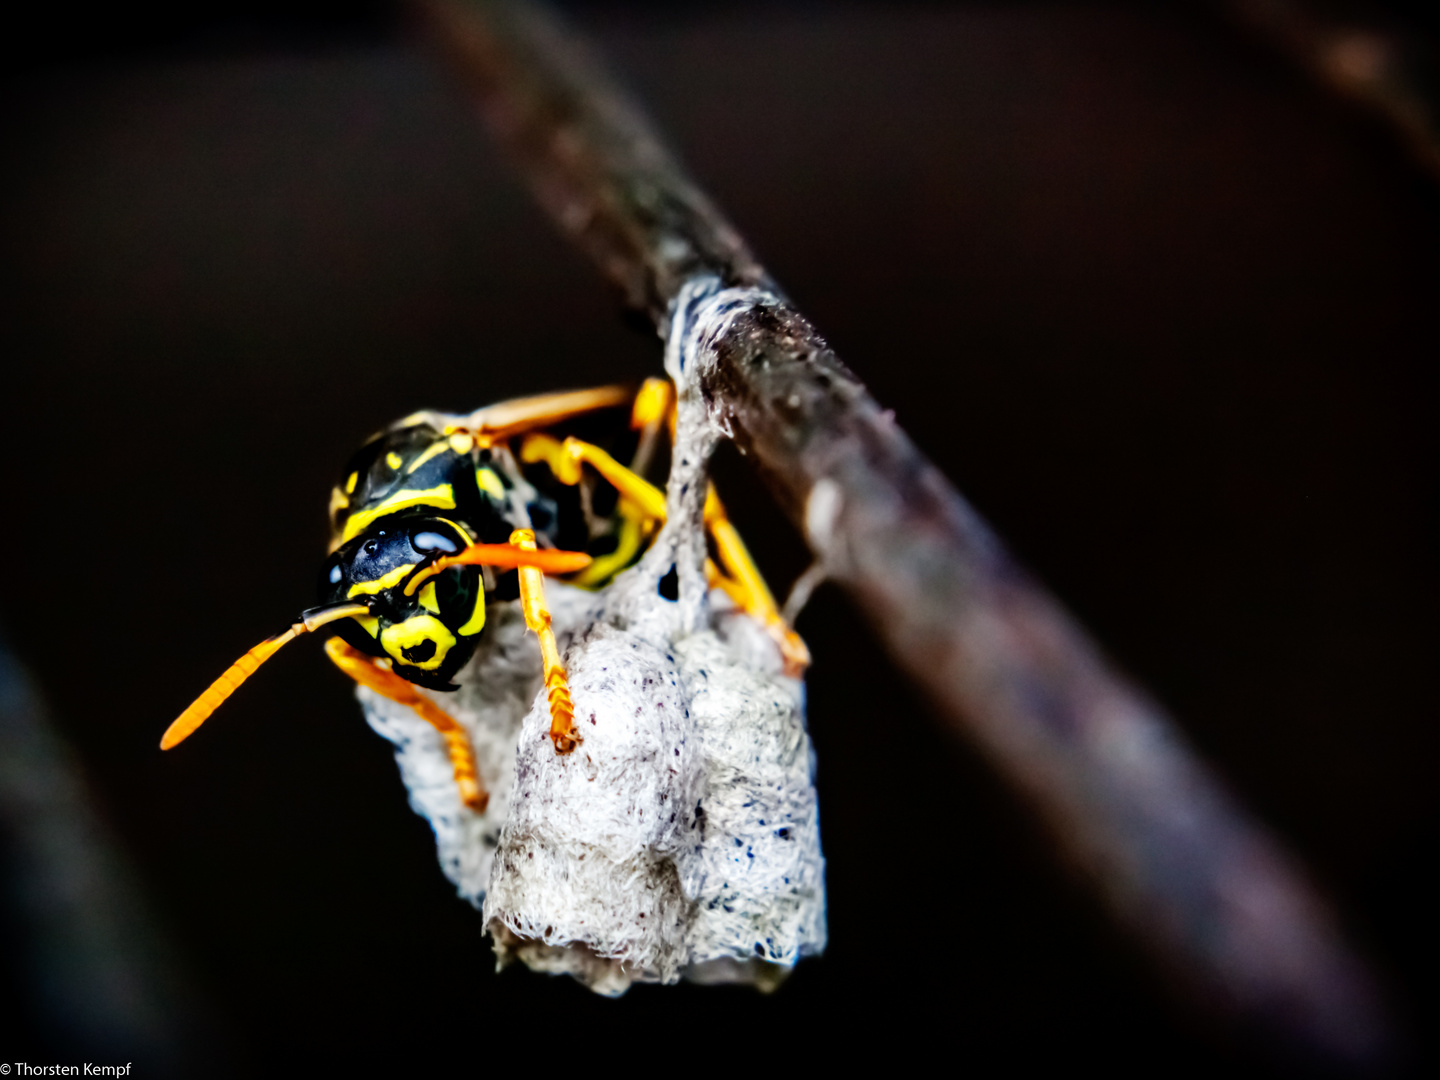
x=433, y=541
x=336, y=573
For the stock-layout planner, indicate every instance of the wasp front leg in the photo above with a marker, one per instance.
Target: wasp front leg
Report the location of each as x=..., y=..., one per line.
x=741, y=578
x=371, y=673
x=537, y=618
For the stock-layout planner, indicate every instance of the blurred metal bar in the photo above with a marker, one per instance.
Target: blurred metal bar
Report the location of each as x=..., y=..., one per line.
x=1180, y=864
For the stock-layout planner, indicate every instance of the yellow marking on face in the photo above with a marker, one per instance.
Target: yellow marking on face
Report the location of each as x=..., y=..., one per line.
x=490, y=483
x=370, y=623
x=476, y=622
x=393, y=460
x=442, y=496
x=412, y=632
x=427, y=599
x=370, y=588
x=462, y=442
x=350, y=482
x=439, y=446
x=338, y=501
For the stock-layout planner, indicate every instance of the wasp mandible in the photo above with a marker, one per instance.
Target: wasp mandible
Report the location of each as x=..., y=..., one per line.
x=441, y=513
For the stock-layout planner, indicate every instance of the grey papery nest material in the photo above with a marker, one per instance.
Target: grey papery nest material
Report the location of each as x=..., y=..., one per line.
x=681, y=838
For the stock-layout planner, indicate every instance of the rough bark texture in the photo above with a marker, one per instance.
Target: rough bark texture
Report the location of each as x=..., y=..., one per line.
x=1178, y=861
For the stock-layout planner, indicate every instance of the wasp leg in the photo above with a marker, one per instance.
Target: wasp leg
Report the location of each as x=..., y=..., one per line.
x=741, y=578
x=367, y=671
x=633, y=529
x=648, y=498
x=750, y=590
x=537, y=618
x=641, y=503
x=540, y=447
x=654, y=406
x=716, y=579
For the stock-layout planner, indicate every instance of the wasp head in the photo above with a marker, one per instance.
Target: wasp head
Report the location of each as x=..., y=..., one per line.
x=427, y=635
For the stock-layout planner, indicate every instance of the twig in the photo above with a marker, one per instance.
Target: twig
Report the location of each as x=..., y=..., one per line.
x=1180, y=864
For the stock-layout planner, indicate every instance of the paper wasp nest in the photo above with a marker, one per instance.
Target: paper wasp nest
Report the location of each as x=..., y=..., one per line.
x=681, y=838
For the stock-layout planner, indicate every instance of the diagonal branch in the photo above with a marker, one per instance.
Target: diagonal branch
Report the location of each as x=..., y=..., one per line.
x=1362, y=55
x=1178, y=861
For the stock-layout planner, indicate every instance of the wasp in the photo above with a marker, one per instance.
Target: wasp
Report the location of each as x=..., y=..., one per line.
x=440, y=514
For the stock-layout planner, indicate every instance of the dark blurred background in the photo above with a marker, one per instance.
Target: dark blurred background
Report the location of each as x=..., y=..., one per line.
x=1158, y=302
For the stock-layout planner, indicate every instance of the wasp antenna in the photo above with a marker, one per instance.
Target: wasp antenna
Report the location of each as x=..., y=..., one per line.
x=214, y=696
x=505, y=557
x=317, y=617
x=200, y=710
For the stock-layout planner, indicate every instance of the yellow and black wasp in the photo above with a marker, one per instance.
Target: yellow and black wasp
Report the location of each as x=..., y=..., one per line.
x=441, y=513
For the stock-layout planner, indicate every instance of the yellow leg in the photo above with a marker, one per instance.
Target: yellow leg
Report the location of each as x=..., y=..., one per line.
x=631, y=533
x=538, y=446
x=744, y=583
x=640, y=501
x=565, y=466
x=537, y=618
x=367, y=671
x=646, y=496
x=716, y=579
x=755, y=595
x=654, y=404
x=565, y=460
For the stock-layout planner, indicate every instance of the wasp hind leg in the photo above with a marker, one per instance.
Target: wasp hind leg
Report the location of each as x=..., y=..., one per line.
x=366, y=671
x=745, y=585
